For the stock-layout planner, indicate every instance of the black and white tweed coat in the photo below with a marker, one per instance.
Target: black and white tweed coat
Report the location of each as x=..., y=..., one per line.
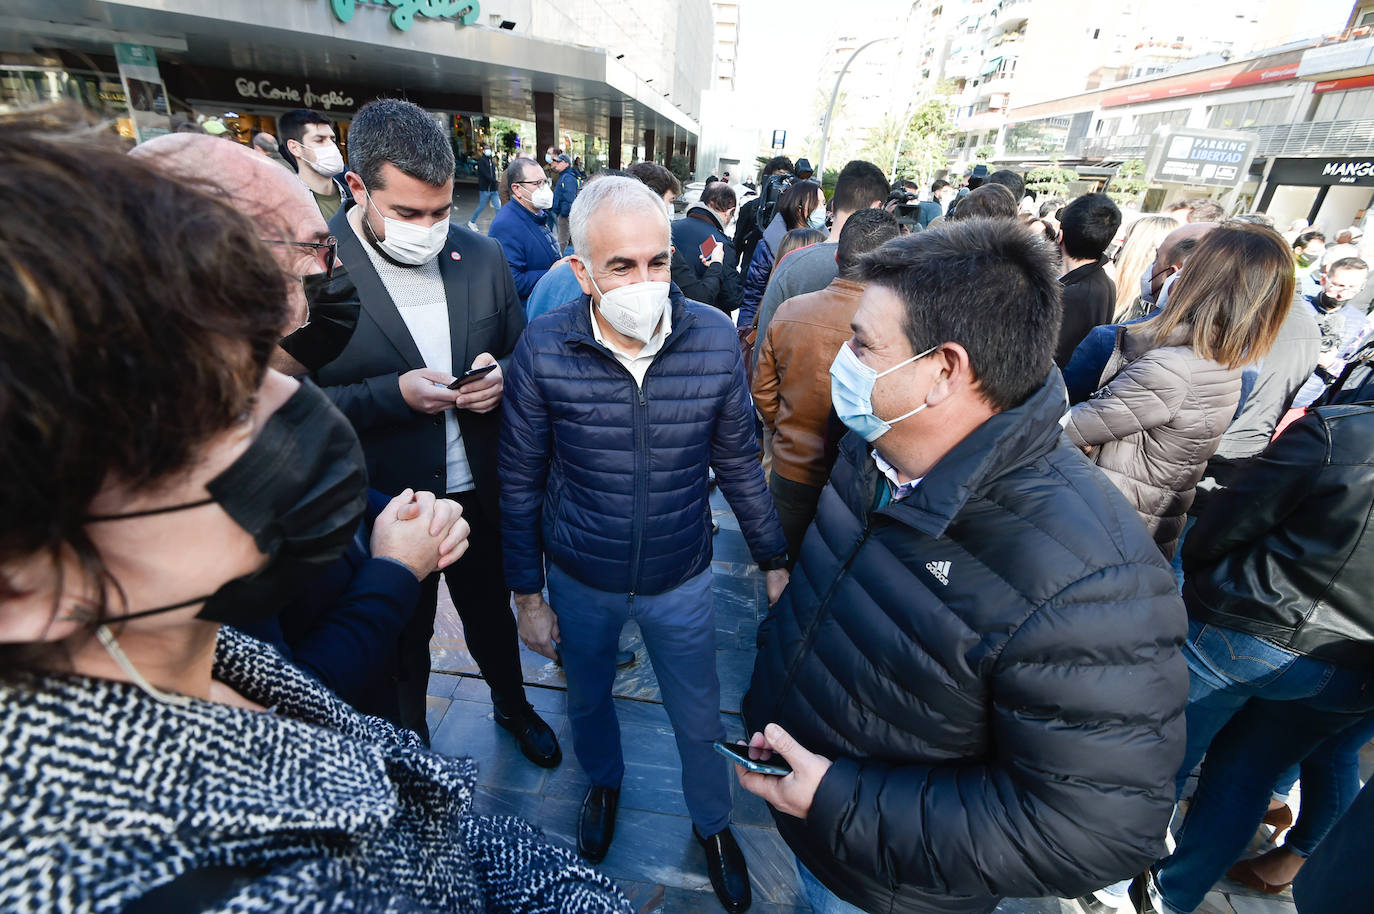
x=106, y=793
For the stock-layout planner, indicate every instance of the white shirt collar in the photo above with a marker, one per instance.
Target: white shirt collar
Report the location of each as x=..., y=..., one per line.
x=900, y=490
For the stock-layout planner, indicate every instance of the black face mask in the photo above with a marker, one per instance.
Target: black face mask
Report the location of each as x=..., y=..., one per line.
x=300, y=489
x=333, y=316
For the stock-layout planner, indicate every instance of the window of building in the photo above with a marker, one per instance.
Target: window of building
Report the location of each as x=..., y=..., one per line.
x=1367, y=17
x=1238, y=115
x=1355, y=105
x=1146, y=123
x=1108, y=126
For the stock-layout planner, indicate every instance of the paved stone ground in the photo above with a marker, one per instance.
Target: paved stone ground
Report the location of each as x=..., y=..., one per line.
x=654, y=857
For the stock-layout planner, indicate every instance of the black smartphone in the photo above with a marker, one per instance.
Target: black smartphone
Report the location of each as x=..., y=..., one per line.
x=776, y=766
x=472, y=374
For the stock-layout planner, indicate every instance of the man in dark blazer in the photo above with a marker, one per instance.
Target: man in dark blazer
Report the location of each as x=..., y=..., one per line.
x=436, y=301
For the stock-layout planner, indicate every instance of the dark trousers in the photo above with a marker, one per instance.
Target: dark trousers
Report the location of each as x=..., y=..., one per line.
x=796, y=503
x=477, y=583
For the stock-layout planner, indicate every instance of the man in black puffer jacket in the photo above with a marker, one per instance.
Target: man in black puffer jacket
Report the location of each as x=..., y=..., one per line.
x=975, y=671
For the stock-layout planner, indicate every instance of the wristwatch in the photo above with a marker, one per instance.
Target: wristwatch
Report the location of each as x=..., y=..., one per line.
x=776, y=563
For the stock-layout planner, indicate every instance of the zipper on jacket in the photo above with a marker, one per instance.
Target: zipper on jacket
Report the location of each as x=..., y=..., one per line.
x=641, y=499
x=823, y=607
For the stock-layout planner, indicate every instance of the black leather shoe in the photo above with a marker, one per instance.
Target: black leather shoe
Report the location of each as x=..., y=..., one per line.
x=726, y=867
x=596, y=822
x=536, y=738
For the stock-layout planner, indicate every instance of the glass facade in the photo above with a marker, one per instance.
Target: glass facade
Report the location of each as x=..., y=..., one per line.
x=1248, y=114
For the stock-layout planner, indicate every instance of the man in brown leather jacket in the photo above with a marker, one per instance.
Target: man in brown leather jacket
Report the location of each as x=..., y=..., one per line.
x=792, y=380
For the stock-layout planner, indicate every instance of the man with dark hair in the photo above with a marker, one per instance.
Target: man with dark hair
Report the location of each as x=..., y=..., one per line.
x=1083, y=372
x=488, y=187
x=861, y=185
x=1086, y=227
x=1339, y=322
x=658, y=179
x=307, y=145
x=566, y=186
x=437, y=300
x=708, y=279
x=975, y=674
x=941, y=193
x=523, y=231
x=990, y=201
x=1011, y=181
x=791, y=381
x=747, y=231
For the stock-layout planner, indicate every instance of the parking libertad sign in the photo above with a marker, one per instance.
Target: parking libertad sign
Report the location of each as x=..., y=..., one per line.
x=461, y=12
x=1211, y=158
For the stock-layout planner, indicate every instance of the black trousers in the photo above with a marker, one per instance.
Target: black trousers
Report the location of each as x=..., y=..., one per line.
x=796, y=504
x=477, y=583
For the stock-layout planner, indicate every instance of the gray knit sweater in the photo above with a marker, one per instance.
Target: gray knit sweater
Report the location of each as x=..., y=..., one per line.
x=106, y=793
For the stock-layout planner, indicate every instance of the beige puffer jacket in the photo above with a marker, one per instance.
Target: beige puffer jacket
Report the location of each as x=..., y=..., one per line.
x=1155, y=423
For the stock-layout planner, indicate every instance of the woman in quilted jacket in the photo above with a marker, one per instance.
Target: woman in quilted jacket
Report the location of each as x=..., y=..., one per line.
x=160, y=485
x=1173, y=383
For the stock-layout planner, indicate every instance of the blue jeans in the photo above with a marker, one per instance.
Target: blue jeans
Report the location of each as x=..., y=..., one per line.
x=1255, y=710
x=679, y=629
x=485, y=197
x=821, y=899
x=1330, y=783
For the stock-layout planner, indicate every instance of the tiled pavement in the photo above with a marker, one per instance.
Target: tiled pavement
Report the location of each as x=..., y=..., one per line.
x=654, y=857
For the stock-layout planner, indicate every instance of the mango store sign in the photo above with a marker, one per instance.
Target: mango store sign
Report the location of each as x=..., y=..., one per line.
x=460, y=12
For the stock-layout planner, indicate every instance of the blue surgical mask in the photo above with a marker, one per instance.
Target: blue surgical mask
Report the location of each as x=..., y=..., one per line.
x=1164, y=292
x=1147, y=294
x=817, y=218
x=851, y=393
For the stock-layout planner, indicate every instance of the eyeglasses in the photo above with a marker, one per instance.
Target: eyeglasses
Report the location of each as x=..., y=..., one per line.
x=540, y=183
x=329, y=247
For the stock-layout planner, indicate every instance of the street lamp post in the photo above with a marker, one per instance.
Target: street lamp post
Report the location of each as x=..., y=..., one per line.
x=834, y=94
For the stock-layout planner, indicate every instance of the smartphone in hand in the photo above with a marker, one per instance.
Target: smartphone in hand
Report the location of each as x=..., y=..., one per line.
x=472, y=374
x=776, y=766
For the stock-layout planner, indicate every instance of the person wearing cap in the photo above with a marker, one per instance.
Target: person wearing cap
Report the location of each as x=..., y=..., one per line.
x=565, y=190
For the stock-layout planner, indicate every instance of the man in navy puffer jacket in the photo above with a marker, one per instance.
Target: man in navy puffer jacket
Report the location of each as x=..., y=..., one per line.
x=975, y=673
x=615, y=406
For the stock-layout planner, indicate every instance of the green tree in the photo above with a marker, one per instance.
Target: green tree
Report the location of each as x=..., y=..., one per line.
x=678, y=165
x=1051, y=180
x=920, y=146
x=1128, y=183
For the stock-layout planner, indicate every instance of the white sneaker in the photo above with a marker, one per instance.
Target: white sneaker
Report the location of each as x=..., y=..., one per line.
x=472, y=226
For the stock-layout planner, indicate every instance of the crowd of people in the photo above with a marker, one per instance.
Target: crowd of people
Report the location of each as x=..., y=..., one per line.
x=1054, y=505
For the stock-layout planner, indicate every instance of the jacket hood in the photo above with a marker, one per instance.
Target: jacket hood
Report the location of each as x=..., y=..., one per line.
x=1009, y=439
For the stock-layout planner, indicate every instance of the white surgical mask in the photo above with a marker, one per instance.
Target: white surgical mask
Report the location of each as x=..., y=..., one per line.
x=408, y=243
x=634, y=310
x=486, y=152
x=548, y=158
x=817, y=218
x=328, y=160
x=542, y=198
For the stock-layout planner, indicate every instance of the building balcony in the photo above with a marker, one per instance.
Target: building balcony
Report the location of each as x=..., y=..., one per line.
x=1330, y=138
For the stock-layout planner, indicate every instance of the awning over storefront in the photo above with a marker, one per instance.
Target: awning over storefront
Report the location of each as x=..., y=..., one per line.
x=281, y=52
